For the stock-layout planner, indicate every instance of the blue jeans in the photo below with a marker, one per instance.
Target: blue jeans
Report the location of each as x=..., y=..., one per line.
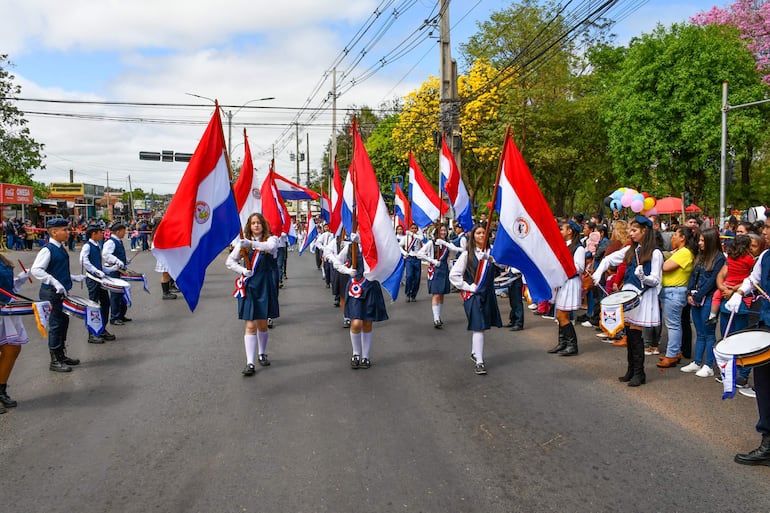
x=705, y=334
x=740, y=322
x=412, y=276
x=673, y=300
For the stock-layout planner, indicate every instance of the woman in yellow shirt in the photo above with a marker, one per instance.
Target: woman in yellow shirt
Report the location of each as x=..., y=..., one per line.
x=673, y=295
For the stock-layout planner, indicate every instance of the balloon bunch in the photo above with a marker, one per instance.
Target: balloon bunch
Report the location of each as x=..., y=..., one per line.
x=638, y=202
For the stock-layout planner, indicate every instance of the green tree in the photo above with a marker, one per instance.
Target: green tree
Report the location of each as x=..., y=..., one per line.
x=662, y=109
x=20, y=154
x=385, y=159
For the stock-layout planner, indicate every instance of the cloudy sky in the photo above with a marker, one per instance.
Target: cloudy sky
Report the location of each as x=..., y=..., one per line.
x=157, y=52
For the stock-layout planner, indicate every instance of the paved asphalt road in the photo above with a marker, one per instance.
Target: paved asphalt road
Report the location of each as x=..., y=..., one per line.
x=162, y=420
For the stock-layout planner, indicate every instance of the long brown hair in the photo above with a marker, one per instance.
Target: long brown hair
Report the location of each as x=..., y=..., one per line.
x=265, y=227
x=711, y=248
x=645, y=248
x=472, y=263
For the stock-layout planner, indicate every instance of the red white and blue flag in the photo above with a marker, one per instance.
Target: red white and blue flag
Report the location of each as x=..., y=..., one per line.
x=273, y=207
x=452, y=183
x=401, y=208
x=528, y=237
x=425, y=203
x=347, y=206
x=335, y=222
x=311, y=234
x=246, y=189
x=326, y=208
x=293, y=191
x=202, y=217
x=379, y=246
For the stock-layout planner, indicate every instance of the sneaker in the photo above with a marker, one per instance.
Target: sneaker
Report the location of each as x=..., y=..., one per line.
x=355, y=362
x=691, y=367
x=365, y=363
x=654, y=350
x=582, y=318
x=532, y=306
x=705, y=372
x=602, y=335
x=748, y=392
x=480, y=368
x=741, y=382
x=718, y=379
x=249, y=370
x=647, y=351
x=587, y=324
x=548, y=316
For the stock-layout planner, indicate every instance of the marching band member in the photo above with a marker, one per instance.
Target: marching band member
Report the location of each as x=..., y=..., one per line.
x=255, y=260
x=479, y=299
x=410, y=244
x=12, y=332
x=644, y=263
x=436, y=253
x=364, y=302
x=114, y=260
x=568, y=296
x=91, y=261
x=52, y=268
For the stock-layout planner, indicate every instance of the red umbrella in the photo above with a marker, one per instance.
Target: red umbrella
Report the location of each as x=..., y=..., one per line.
x=673, y=205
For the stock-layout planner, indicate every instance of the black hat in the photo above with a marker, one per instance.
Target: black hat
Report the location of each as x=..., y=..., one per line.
x=93, y=229
x=57, y=223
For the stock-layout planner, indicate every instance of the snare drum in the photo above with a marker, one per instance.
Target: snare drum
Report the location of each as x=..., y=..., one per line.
x=129, y=275
x=628, y=298
x=17, y=307
x=76, y=306
x=114, y=284
x=751, y=348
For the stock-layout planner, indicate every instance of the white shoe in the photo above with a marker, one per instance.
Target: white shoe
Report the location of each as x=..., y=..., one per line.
x=748, y=392
x=587, y=324
x=705, y=372
x=692, y=367
x=532, y=306
x=548, y=316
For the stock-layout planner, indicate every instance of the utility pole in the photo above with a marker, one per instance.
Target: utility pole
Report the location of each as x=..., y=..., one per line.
x=307, y=161
x=333, y=156
x=296, y=125
x=448, y=101
x=131, y=197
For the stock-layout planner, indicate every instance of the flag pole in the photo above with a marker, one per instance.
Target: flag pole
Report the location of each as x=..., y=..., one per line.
x=354, y=206
x=497, y=186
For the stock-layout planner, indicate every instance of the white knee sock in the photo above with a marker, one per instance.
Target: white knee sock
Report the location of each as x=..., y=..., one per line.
x=436, y=312
x=355, y=340
x=262, y=340
x=366, y=339
x=250, y=342
x=477, y=347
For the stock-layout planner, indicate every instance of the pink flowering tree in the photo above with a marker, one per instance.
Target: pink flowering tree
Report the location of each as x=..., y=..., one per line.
x=752, y=18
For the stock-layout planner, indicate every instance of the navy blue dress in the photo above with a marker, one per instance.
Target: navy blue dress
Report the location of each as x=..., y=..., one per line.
x=481, y=308
x=261, y=301
x=438, y=275
x=363, y=298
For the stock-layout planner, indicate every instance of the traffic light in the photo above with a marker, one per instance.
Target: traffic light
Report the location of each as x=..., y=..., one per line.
x=687, y=199
x=731, y=177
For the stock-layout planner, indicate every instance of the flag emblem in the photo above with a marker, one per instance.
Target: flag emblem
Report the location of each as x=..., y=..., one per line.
x=521, y=227
x=255, y=193
x=202, y=212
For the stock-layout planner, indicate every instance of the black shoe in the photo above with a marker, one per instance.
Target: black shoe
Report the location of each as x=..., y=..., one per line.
x=169, y=296
x=248, y=370
x=365, y=363
x=509, y=325
x=712, y=320
x=69, y=361
x=759, y=456
x=516, y=328
x=57, y=365
x=346, y=323
x=437, y=324
x=106, y=335
x=480, y=368
x=125, y=319
x=263, y=361
x=270, y=323
x=93, y=339
x=355, y=362
x=5, y=400
x=117, y=322
x=337, y=303
x=741, y=382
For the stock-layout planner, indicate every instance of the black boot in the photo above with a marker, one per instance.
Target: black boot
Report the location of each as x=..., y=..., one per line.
x=57, y=365
x=66, y=359
x=561, y=344
x=759, y=456
x=635, y=342
x=4, y=399
x=572, y=344
x=630, y=360
x=167, y=294
x=95, y=339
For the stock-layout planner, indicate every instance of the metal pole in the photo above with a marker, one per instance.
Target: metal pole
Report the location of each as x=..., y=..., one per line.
x=723, y=158
x=296, y=125
x=230, y=135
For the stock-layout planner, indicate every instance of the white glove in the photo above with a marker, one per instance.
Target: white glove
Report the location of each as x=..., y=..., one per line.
x=350, y=271
x=77, y=278
x=248, y=273
x=639, y=272
x=485, y=256
x=434, y=262
x=354, y=237
x=59, y=288
x=23, y=275
x=734, y=303
x=472, y=287
x=121, y=266
x=245, y=244
x=98, y=273
x=597, y=277
x=440, y=242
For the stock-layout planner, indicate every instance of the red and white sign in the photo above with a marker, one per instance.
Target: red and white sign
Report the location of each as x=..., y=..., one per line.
x=15, y=194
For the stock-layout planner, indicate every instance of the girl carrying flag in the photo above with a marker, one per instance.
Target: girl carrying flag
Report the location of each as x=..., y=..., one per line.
x=436, y=253
x=478, y=294
x=256, y=287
